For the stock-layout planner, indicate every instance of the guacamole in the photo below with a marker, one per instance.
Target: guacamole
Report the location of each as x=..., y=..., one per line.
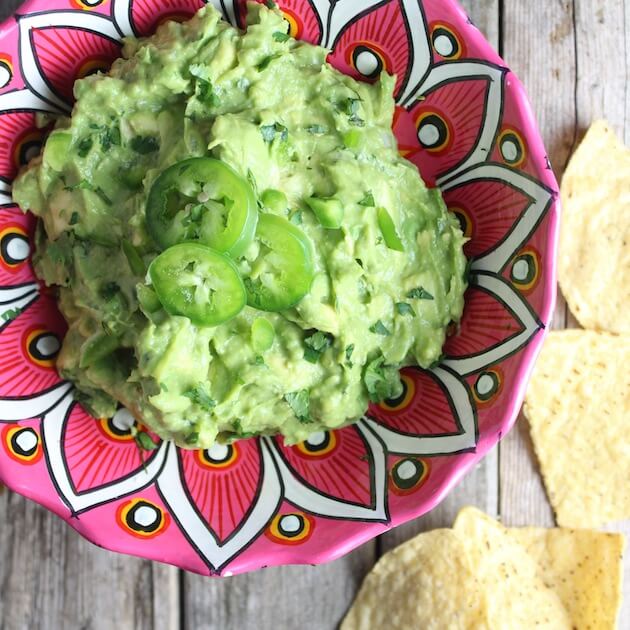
x=238, y=247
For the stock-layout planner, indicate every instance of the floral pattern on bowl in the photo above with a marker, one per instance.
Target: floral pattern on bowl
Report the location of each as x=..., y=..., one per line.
x=464, y=119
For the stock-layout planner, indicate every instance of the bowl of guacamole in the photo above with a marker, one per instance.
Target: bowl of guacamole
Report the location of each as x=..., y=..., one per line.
x=235, y=242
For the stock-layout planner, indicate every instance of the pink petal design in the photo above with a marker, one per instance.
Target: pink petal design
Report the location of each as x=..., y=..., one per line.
x=16, y=230
x=28, y=347
x=101, y=451
x=222, y=483
x=146, y=18
x=337, y=463
x=67, y=54
x=486, y=210
x=423, y=408
x=447, y=126
x=20, y=140
x=375, y=42
x=486, y=323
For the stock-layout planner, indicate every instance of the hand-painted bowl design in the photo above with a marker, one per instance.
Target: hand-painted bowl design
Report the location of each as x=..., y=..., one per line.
x=464, y=119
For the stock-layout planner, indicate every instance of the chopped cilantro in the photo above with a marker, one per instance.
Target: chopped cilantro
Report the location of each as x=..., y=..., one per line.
x=266, y=61
x=316, y=344
x=144, y=441
x=350, y=107
x=145, y=144
x=269, y=132
x=207, y=93
x=271, y=4
x=405, y=309
x=379, y=328
x=11, y=313
x=316, y=130
x=419, y=294
x=109, y=138
x=259, y=360
x=163, y=387
x=349, y=351
x=300, y=401
x=200, y=397
x=192, y=438
x=368, y=199
x=84, y=147
x=109, y=291
x=280, y=37
x=74, y=218
x=381, y=381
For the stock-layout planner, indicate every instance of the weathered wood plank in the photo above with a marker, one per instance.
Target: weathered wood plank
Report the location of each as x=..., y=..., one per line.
x=539, y=45
x=290, y=597
x=51, y=577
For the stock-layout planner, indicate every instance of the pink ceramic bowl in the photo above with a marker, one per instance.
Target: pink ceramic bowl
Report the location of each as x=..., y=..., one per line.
x=463, y=118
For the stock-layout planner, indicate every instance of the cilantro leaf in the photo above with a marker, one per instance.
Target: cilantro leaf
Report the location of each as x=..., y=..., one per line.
x=109, y=291
x=419, y=294
x=192, y=438
x=84, y=147
x=300, y=401
x=316, y=344
x=379, y=329
x=381, y=381
x=74, y=218
x=349, y=351
x=280, y=37
x=405, y=309
x=269, y=132
x=316, y=130
x=368, y=200
x=109, y=138
x=145, y=144
x=199, y=396
x=11, y=313
x=144, y=441
x=266, y=61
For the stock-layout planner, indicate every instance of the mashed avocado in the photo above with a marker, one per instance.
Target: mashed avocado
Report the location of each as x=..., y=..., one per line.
x=238, y=246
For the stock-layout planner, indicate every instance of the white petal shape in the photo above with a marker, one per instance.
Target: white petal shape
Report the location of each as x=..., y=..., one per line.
x=420, y=47
x=459, y=72
x=34, y=406
x=227, y=8
x=16, y=299
x=25, y=100
x=461, y=402
x=318, y=503
x=121, y=12
x=65, y=19
x=520, y=309
x=5, y=193
x=541, y=201
x=196, y=529
x=53, y=425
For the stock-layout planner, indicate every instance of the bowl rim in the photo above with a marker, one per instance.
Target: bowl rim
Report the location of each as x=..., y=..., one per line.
x=465, y=461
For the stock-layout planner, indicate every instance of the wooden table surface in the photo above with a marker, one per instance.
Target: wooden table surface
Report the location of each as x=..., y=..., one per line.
x=574, y=58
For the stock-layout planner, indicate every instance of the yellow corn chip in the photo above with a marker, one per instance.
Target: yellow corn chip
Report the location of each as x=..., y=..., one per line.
x=516, y=596
x=594, y=259
x=583, y=567
x=425, y=583
x=578, y=406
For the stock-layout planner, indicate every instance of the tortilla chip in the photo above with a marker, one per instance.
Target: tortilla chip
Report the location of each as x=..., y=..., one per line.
x=578, y=406
x=584, y=568
x=426, y=583
x=594, y=260
x=516, y=596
